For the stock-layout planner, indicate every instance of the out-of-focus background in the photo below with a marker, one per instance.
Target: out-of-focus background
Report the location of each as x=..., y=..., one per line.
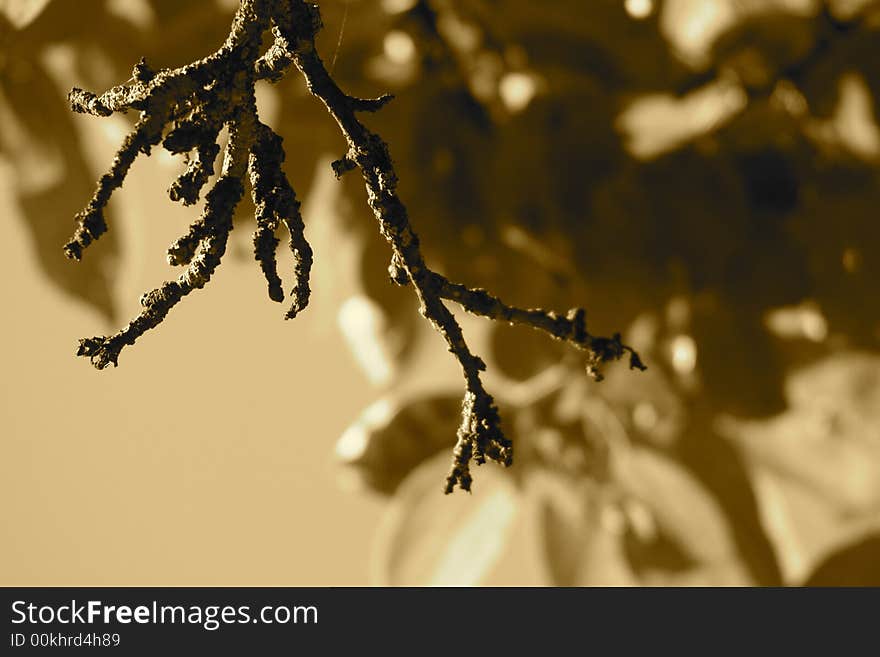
x=701, y=175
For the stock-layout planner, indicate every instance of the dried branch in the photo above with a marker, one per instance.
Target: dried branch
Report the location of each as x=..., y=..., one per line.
x=199, y=99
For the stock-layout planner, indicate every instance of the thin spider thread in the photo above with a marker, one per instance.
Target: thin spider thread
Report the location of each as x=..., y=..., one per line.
x=341, y=33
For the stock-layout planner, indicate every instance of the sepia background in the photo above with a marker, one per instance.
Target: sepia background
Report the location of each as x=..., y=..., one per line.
x=700, y=175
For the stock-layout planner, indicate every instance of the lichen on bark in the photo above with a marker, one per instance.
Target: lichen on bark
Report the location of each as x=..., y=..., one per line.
x=185, y=109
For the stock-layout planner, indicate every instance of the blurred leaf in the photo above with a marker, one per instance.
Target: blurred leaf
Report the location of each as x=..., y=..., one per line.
x=740, y=370
x=392, y=436
x=664, y=530
x=857, y=564
x=430, y=539
x=843, y=265
x=844, y=10
x=816, y=467
x=398, y=306
x=22, y=13
x=650, y=552
x=370, y=338
x=185, y=31
x=549, y=158
x=563, y=541
x=827, y=439
x=760, y=47
x=658, y=123
x=308, y=138
x=520, y=352
x=439, y=136
x=699, y=29
x=53, y=182
x=682, y=509
x=577, y=548
x=650, y=405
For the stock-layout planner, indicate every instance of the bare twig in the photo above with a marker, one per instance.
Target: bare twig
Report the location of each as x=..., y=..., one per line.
x=219, y=90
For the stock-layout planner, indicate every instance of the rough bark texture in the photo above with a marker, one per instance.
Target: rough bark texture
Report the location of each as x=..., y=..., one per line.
x=197, y=101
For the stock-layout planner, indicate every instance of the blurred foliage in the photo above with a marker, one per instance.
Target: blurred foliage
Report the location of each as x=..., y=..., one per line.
x=702, y=171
